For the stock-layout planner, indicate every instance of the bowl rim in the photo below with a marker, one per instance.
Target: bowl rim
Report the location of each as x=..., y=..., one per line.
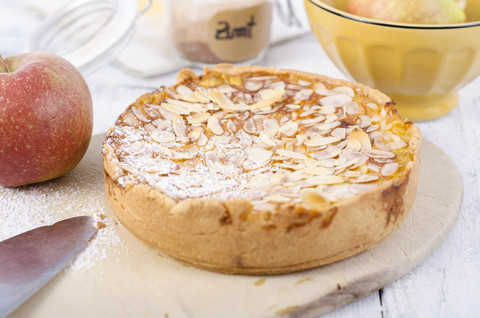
x=320, y=4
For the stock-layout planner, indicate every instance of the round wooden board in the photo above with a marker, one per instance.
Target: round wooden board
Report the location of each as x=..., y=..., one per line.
x=118, y=276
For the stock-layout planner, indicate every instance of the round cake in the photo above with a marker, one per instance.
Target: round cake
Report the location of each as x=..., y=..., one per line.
x=257, y=170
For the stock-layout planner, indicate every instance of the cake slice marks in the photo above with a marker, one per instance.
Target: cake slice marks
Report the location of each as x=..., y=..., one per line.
x=274, y=139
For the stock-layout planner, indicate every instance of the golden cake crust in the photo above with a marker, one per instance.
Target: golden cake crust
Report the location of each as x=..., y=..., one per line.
x=233, y=236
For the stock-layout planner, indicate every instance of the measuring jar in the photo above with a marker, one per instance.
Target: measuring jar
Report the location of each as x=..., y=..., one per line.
x=215, y=31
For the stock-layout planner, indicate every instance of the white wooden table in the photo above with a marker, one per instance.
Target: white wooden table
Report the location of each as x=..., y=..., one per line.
x=447, y=284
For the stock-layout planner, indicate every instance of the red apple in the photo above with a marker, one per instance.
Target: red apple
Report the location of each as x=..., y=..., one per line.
x=46, y=118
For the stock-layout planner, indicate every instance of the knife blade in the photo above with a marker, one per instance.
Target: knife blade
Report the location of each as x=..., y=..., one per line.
x=29, y=260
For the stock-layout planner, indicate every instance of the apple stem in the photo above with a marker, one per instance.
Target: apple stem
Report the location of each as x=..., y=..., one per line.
x=3, y=66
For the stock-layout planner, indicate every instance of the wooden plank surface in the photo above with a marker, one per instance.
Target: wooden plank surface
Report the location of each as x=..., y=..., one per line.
x=119, y=276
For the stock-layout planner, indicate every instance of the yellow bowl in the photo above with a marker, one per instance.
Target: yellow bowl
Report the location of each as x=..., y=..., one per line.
x=421, y=67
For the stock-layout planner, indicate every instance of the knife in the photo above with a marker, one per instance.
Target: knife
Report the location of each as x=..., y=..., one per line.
x=29, y=260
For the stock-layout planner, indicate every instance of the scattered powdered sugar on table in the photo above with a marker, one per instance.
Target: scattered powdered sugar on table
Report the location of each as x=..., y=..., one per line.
x=78, y=193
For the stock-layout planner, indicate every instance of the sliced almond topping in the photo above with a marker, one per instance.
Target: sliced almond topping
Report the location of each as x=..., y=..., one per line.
x=249, y=126
x=253, y=85
x=198, y=118
x=268, y=98
x=351, y=108
x=162, y=136
x=312, y=198
x=329, y=126
x=202, y=140
x=304, y=94
x=326, y=109
x=214, y=125
x=270, y=127
x=280, y=85
x=195, y=134
x=277, y=198
x=354, y=144
x=330, y=118
x=316, y=171
x=319, y=140
x=220, y=98
x=312, y=121
x=259, y=155
x=184, y=91
x=165, y=150
x=139, y=114
x=301, y=138
x=175, y=109
x=289, y=128
x=339, y=132
x=277, y=177
x=267, y=140
x=365, y=121
x=389, y=169
x=328, y=153
x=325, y=180
x=364, y=178
x=179, y=126
x=291, y=154
x=345, y=90
x=231, y=126
x=380, y=154
x=358, y=136
x=336, y=100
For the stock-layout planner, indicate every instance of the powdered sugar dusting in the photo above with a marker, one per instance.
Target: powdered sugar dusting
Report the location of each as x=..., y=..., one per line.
x=80, y=192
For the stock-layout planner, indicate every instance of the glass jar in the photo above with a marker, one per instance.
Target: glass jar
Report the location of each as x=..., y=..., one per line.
x=216, y=31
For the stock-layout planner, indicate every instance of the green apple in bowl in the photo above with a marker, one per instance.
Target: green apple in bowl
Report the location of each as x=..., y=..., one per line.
x=409, y=11
x=46, y=118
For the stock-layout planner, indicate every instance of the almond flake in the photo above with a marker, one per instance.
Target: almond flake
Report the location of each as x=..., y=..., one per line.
x=214, y=125
x=325, y=180
x=365, y=121
x=277, y=198
x=289, y=128
x=195, y=134
x=319, y=140
x=266, y=139
x=345, y=90
x=277, y=177
x=291, y=154
x=358, y=136
x=380, y=154
x=351, y=108
x=162, y=136
x=280, y=85
x=339, y=132
x=220, y=98
x=312, y=121
x=364, y=178
x=316, y=171
x=304, y=94
x=389, y=169
x=179, y=126
x=139, y=114
x=336, y=100
x=165, y=150
x=202, y=140
x=175, y=109
x=260, y=156
x=328, y=153
x=312, y=198
x=184, y=91
x=198, y=118
x=253, y=85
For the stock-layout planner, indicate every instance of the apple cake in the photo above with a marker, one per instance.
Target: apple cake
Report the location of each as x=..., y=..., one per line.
x=258, y=170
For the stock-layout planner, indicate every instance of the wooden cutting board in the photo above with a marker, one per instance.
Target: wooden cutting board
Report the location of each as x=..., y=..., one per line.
x=118, y=276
